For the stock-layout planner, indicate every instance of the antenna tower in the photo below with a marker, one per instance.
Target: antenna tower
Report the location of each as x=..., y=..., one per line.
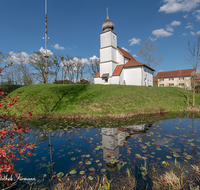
x=46, y=56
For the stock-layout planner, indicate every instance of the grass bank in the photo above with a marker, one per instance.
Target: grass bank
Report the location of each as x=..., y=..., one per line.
x=58, y=100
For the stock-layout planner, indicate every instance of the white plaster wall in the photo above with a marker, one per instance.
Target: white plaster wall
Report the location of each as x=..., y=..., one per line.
x=108, y=54
x=113, y=39
x=114, y=54
x=101, y=81
x=108, y=39
x=105, y=54
x=147, y=74
x=120, y=58
x=97, y=81
x=114, y=65
x=115, y=80
x=121, y=77
x=132, y=76
x=106, y=68
x=105, y=39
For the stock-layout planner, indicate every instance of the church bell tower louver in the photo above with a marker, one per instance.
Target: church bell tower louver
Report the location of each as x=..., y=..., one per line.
x=108, y=50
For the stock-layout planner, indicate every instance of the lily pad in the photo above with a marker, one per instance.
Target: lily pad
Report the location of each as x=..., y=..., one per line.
x=60, y=174
x=91, y=169
x=72, y=172
x=82, y=172
x=88, y=162
x=103, y=170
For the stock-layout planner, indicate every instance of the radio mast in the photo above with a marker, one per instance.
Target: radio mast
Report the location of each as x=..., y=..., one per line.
x=46, y=56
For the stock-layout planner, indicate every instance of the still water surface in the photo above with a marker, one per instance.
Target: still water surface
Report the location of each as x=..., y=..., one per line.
x=104, y=150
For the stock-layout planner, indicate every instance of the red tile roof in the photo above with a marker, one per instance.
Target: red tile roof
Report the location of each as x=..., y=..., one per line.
x=131, y=63
x=97, y=75
x=177, y=73
x=118, y=70
x=125, y=53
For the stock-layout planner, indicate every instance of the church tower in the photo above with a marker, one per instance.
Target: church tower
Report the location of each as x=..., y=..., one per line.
x=108, y=50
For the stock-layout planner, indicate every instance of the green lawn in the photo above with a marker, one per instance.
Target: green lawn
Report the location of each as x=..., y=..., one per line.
x=74, y=99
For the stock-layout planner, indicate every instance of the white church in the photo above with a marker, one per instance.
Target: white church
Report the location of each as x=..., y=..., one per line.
x=117, y=66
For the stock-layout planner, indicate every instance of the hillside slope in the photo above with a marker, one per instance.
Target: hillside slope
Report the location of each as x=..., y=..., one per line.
x=74, y=99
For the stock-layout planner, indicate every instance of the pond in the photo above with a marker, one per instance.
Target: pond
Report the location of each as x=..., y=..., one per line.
x=130, y=155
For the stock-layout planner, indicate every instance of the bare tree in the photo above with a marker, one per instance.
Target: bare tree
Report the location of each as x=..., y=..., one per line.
x=147, y=51
x=194, y=59
x=67, y=67
x=57, y=59
x=79, y=66
x=37, y=61
x=23, y=69
x=93, y=67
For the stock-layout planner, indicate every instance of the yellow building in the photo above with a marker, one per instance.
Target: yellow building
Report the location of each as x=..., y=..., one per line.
x=178, y=78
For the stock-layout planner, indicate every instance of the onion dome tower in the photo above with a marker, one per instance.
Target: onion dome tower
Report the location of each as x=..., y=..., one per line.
x=108, y=25
x=108, y=51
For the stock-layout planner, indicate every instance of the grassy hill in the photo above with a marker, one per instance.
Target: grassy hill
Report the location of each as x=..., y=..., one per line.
x=69, y=100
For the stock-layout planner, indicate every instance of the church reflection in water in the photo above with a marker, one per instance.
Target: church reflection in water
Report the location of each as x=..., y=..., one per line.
x=113, y=138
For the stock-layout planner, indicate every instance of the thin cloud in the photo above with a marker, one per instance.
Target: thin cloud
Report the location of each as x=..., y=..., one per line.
x=185, y=34
x=134, y=41
x=175, y=23
x=192, y=33
x=198, y=33
x=189, y=25
x=161, y=33
x=56, y=46
x=169, y=28
x=172, y=6
x=186, y=16
x=152, y=39
x=197, y=15
x=135, y=55
x=126, y=49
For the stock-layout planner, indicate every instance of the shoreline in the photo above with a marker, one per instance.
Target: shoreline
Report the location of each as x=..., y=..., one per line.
x=84, y=118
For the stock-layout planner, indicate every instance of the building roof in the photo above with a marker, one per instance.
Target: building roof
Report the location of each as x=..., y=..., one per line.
x=108, y=25
x=118, y=70
x=97, y=75
x=125, y=53
x=177, y=73
x=131, y=63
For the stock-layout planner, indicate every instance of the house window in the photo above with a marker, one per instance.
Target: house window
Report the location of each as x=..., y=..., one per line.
x=181, y=78
x=181, y=84
x=171, y=84
x=161, y=79
x=170, y=79
x=161, y=85
x=106, y=79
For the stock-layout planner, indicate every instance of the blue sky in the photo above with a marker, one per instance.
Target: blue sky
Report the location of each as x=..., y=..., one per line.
x=75, y=26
